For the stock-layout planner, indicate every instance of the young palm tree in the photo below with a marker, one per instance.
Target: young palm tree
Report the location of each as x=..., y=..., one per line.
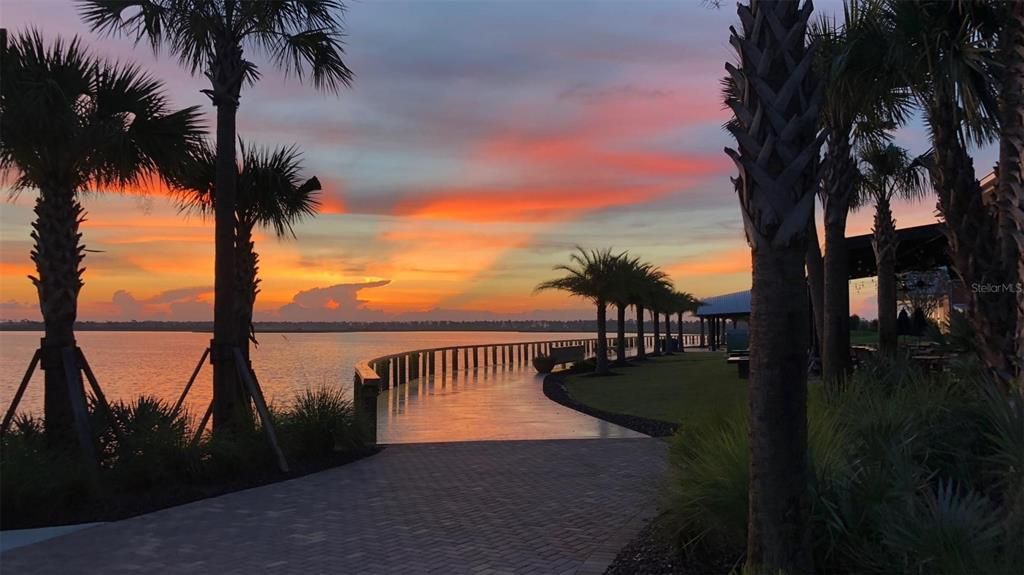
x=590, y=275
x=271, y=195
x=776, y=109
x=73, y=123
x=860, y=97
x=946, y=53
x=888, y=172
x=303, y=37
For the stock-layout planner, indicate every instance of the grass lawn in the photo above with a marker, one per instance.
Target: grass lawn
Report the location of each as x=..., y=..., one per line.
x=685, y=388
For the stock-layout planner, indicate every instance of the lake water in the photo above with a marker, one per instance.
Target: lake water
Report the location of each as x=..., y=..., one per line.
x=129, y=364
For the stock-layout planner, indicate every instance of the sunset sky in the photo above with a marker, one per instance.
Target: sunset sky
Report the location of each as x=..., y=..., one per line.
x=480, y=142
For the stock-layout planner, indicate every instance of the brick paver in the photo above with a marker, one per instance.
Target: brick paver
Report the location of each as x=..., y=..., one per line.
x=556, y=506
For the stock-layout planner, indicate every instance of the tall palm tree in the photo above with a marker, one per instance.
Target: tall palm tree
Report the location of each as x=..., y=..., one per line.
x=271, y=195
x=649, y=280
x=684, y=303
x=590, y=275
x=1010, y=190
x=776, y=108
x=302, y=37
x=656, y=295
x=946, y=52
x=888, y=173
x=628, y=273
x=861, y=96
x=72, y=123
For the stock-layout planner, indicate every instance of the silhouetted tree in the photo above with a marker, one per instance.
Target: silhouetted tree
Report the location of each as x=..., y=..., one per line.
x=73, y=123
x=590, y=275
x=210, y=37
x=776, y=107
x=271, y=195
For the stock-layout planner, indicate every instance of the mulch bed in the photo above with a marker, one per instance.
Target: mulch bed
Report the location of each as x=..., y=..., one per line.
x=554, y=389
x=649, y=553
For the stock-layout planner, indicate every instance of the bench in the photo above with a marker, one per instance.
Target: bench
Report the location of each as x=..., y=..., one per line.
x=567, y=354
x=742, y=364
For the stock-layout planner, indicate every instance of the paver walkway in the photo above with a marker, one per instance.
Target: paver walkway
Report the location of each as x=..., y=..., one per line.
x=558, y=506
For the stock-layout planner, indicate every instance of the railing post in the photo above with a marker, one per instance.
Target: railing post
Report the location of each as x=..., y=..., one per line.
x=475, y=357
x=365, y=389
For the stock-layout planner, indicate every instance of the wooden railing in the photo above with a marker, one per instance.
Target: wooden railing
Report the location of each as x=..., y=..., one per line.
x=380, y=373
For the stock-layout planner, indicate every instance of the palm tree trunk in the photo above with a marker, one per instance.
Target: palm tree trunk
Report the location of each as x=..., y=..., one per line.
x=641, y=349
x=226, y=77
x=885, y=242
x=776, y=114
x=778, y=411
x=58, y=255
x=971, y=232
x=601, y=362
x=248, y=285
x=840, y=181
x=668, y=333
x=656, y=322
x=816, y=283
x=679, y=319
x=620, y=342
x=1010, y=191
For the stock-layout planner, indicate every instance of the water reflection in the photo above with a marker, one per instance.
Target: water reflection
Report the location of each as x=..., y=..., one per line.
x=488, y=403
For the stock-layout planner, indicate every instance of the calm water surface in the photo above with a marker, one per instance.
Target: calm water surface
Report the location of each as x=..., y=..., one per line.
x=129, y=364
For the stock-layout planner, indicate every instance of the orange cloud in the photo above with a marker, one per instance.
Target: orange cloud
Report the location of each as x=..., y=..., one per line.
x=540, y=204
x=715, y=263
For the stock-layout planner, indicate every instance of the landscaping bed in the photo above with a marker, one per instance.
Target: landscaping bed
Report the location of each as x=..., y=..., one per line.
x=149, y=461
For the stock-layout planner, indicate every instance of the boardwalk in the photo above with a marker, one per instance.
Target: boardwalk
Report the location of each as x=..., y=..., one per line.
x=538, y=506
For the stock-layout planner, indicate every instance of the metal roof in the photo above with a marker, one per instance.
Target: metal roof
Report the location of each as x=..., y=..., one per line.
x=729, y=304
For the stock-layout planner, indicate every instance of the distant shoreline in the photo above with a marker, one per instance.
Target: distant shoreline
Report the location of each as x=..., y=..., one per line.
x=348, y=327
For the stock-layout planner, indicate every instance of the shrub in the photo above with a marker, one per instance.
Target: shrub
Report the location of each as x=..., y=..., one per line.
x=38, y=483
x=910, y=473
x=145, y=443
x=320, y=423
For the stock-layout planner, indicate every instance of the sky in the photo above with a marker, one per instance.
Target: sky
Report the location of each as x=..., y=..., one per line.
x=480, y=142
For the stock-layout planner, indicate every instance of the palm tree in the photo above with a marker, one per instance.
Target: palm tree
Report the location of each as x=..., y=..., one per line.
x=776, y=109
x=1010, y=190
x=888, y=173
x=649, y=279
x=861, y=96
x=303, y=37
x=945, y=51
x=684, y=303
x=590, y=275
x=655, y=296
x=627, y=273
x=271, y=195
x=73, y=123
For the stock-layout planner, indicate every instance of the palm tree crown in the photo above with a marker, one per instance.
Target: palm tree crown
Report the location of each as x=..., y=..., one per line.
x=303, y=38
x=72, y=121
x=589, y=275
x=271, y=192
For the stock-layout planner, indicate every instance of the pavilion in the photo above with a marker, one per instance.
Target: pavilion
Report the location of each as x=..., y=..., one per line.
x=717, y=311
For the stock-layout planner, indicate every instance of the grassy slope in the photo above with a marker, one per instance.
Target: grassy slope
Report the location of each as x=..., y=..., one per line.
x=689, y=387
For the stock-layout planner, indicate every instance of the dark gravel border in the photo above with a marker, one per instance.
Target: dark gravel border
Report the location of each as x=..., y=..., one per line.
x=554, y=389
